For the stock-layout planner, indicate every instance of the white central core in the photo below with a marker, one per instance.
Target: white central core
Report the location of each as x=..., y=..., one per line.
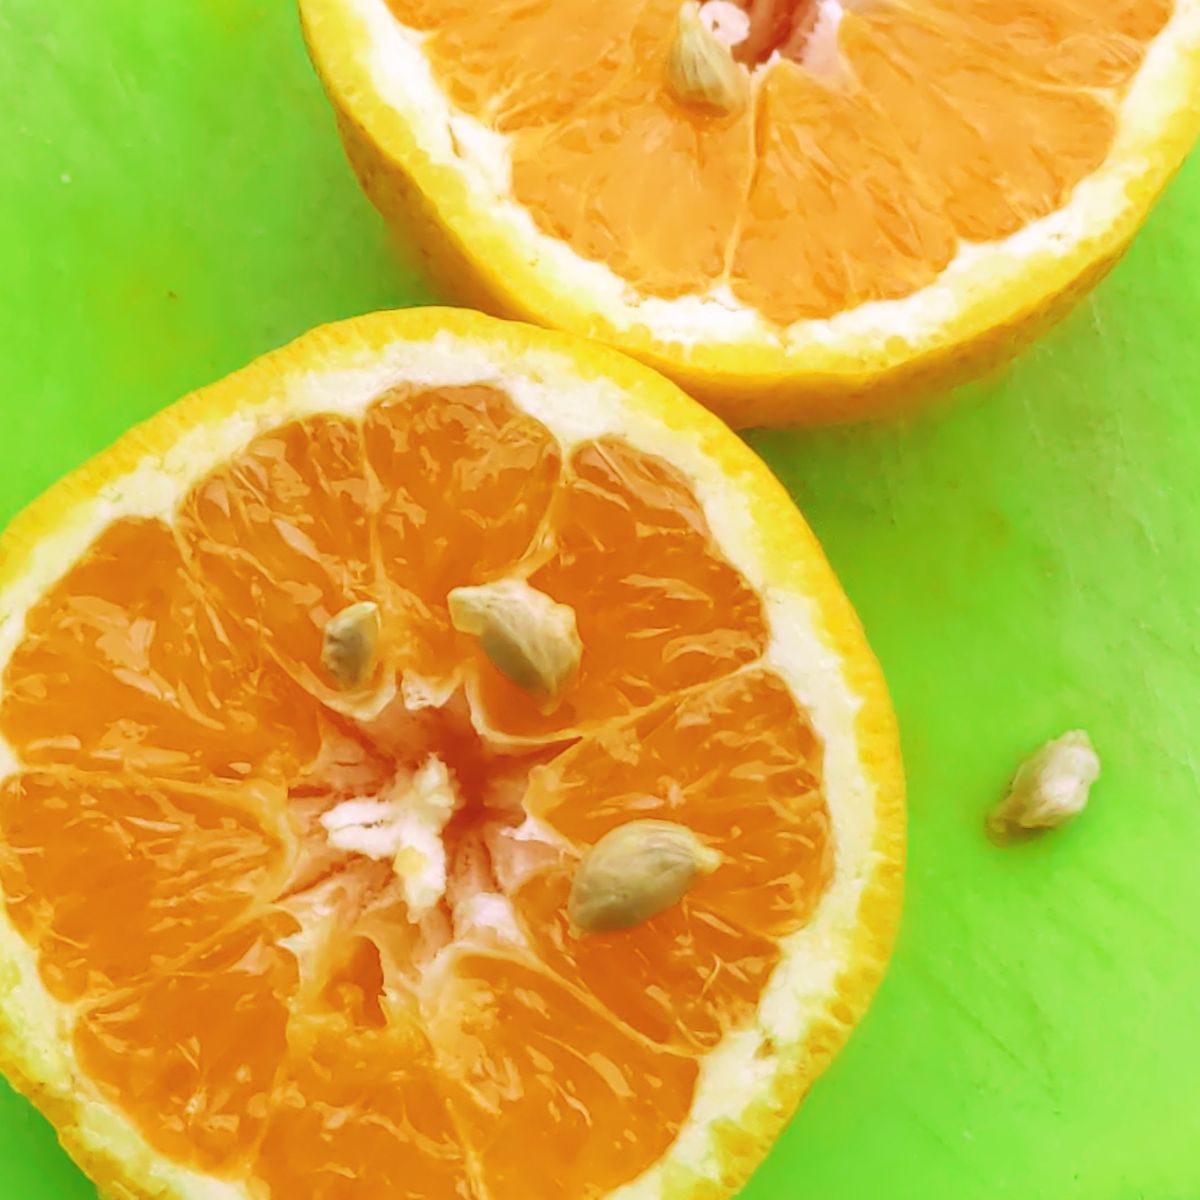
x=405, y=826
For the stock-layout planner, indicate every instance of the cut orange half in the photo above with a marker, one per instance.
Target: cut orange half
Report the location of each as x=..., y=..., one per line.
x=895, y=194
x=277, y=928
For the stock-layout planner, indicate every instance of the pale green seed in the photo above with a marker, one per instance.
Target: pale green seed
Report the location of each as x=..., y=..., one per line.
x=351, y=645
x=635, y=872
x=701, y=71
x=529, y=637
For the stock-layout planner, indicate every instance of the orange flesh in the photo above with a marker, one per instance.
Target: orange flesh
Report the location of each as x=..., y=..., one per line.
x=264, y=1004
x=867, y=156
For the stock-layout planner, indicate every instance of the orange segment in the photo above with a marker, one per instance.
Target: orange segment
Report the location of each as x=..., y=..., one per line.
x=519, y=64
x=999, y=150
x=355, y=987
x=125, y=665
x=583, y=111
x=282, y=537
x=173, y=868
x=671, y=233
x=573, y=178
x=193, y=1055
x=447, y=14
x=830, y=158
x=737, y=764
x=525, y=1057
x=360, y=1115
x=466, y=481
x=658, y=609
x=683, y=979
x=1070, y=42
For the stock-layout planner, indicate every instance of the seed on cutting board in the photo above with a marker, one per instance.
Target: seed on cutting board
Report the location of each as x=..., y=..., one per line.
x=351, y=645
x=529, y=637
x=635, y=872
x=1051, y=786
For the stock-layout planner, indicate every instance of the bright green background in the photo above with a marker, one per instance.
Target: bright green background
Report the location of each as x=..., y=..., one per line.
x=173, y=202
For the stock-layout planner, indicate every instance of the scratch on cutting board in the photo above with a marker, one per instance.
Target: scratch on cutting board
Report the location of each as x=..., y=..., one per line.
x=1034, y=1065
x=918, y=1116
x=1033, y=417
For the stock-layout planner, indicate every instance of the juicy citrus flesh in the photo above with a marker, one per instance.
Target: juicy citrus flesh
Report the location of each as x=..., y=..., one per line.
x=270, y=1006
x=880, y=136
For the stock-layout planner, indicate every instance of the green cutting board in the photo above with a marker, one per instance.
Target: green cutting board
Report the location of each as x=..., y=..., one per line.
x=173, y=202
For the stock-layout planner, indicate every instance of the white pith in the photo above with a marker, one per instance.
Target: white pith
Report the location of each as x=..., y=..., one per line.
x=729, y=23
x=546, y=385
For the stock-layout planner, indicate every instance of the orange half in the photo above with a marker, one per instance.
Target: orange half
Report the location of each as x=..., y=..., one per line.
x=905, y=195
x=268, y=936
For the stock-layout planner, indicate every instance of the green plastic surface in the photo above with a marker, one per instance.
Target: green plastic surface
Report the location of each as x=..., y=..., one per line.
x=173, y=202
